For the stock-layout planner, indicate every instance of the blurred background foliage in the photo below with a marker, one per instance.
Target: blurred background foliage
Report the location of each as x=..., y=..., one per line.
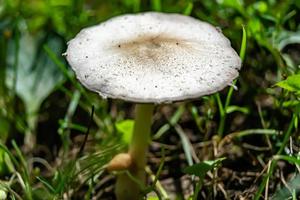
x=45, y=114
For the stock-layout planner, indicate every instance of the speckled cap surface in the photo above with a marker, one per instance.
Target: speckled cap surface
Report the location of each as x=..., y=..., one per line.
x=153, y=58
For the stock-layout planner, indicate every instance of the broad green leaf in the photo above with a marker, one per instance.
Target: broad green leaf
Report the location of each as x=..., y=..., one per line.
x=36, y=74
x=202, y=168
x=284, y=192
x=125, y=127
x=292, y=83
x=3, y=193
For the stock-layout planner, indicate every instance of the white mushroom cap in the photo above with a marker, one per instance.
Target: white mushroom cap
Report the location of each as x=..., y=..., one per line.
x=153, y=57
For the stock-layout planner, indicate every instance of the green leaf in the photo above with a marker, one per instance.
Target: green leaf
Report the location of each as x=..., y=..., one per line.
x=255, y=28
x=152, y=198
x=188, y=9
x=156, y=5
x=186, y=144
x=231, y=109
x=46, y=184
x=235, y=4
x=290, y=103
x=292, y=83
x=292, y=159
x=36, y=74
x=3, y=194
x=6, y=165
x=202, y=168
x=125, y=127
x=42, y=193
x=244, y=44
x=4, y=128
x=261, y=6
x=285, y=192
x=3, y=169
x=287, y=37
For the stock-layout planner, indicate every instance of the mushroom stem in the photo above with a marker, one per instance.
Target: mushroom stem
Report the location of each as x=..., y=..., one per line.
x=141, y=135
x=126, y=187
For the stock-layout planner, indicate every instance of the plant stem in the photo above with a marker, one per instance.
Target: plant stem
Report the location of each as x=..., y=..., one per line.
x=274, y=162
x=222, y=116
x=30, y=133
x=197, y=189
x=126, y=188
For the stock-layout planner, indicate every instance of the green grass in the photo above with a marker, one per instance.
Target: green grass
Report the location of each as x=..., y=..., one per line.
x=44, y=122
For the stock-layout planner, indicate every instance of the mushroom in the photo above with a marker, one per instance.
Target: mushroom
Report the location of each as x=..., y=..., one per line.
x=151, y=58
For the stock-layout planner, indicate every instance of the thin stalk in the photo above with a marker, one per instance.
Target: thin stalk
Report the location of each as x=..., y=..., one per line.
x=156, y=5
x=126, y=188
x=64, y=129
x=188, y=9
x=274, y=162
x=16, y=62
x=3, y=54
x=197, y=189
x=136, y=6
x=222, y=115
x=30, y=132
x=223, y=109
